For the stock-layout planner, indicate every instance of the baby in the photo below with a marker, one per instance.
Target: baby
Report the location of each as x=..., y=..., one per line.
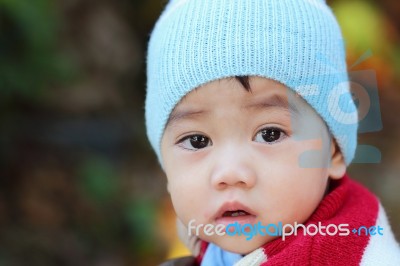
x=249, y=111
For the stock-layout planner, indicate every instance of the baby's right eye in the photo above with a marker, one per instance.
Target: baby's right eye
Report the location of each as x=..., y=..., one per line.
x=195, y=142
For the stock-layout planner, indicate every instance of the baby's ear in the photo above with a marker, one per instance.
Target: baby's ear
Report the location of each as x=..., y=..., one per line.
x=338, y=165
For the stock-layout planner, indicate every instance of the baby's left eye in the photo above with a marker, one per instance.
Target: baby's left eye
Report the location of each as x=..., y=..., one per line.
x=269, y=135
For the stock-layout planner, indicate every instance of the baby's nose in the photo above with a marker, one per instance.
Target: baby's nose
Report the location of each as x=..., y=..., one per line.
x=233, y=170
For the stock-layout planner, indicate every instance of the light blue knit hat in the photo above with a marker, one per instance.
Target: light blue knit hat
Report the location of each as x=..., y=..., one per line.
x=295, y=42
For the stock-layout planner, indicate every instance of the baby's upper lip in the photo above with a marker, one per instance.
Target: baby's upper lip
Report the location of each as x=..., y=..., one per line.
x=232, y=206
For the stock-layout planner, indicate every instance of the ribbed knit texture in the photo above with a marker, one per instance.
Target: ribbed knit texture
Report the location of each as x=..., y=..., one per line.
x=295, y=42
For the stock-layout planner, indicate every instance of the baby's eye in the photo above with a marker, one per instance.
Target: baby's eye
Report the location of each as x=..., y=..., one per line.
x=195, y=142
x=269, y=135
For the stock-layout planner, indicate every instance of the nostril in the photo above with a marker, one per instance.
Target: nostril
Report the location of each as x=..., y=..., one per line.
x=222, y=184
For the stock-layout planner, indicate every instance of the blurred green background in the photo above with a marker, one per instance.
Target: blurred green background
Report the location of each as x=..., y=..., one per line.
x=79, y=183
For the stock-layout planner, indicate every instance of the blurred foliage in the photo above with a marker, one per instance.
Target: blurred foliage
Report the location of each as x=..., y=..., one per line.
x=79, y=184
x=30, y=60
x=71, y=135
x=373, y=33
x=368, y=36
x=98, y=181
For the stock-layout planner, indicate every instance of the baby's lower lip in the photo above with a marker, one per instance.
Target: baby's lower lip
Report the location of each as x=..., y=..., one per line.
x=245, y=219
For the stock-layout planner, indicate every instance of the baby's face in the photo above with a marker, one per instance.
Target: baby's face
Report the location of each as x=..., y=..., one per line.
x=236, y=156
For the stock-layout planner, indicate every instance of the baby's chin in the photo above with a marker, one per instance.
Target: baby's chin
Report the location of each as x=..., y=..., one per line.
x=239, y=244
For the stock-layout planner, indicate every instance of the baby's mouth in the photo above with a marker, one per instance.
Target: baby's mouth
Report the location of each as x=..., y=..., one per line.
x=232, y=212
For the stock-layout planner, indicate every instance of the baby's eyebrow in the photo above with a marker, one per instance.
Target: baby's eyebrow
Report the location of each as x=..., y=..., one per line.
x=273, y=101
x=184, y=114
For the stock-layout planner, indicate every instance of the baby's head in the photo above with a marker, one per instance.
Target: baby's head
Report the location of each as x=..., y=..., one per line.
x=249, y=111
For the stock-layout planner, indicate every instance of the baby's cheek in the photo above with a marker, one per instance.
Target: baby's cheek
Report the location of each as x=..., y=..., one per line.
x=182, y=197
x=178, y=201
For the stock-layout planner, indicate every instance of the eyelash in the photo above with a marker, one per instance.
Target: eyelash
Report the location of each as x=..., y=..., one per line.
x=206, y=142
